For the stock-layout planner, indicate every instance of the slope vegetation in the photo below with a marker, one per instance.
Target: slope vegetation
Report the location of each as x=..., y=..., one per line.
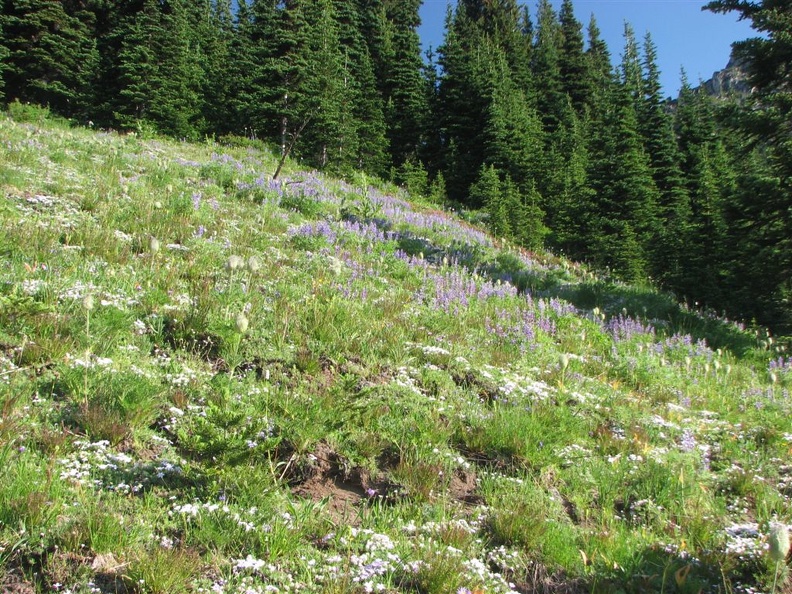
x=211, y=381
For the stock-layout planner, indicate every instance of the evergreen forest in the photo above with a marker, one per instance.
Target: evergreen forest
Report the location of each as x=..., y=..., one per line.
x=521, y=120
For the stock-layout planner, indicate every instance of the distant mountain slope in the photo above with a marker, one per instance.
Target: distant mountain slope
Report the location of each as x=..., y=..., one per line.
x=731, y=81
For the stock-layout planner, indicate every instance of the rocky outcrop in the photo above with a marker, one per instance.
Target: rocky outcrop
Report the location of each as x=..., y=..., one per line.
x=729, y=82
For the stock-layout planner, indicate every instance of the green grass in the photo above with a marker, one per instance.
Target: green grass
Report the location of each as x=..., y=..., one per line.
x=408, y=407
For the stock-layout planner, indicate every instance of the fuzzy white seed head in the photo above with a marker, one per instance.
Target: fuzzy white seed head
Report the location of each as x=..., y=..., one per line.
x=779, y=542
x=234, y=263
x=241, y=323
x=154, y=245
x=253, y=264
x=88, y=302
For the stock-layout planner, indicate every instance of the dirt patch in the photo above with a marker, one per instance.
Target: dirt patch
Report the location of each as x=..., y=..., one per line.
x=538, y=580
x=463, y=487
x=343, y=498
x=13, y=584
x=486, y=391
x=325, y=476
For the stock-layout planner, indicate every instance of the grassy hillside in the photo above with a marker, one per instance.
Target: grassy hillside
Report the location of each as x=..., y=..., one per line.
x=215, y=382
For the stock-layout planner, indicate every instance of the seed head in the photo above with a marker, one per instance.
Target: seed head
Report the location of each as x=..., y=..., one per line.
x=88, y=302
x=779, y=542
x=234, y=263
x=253, y=264
x=241, y=323
x=154, y=244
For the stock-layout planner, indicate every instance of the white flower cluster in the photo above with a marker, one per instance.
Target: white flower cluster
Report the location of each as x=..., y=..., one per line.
x=97, y=465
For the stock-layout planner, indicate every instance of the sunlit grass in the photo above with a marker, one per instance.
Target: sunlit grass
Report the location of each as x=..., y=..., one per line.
x=210, y=381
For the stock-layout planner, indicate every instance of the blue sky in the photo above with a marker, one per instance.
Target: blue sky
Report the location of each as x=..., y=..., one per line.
x=686, y=36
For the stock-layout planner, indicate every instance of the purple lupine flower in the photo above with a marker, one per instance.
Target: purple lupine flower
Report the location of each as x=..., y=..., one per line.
x=624, y=328
x=688, y=441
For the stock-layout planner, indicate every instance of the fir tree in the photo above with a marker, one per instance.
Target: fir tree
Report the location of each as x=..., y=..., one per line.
x=513, y=137
x=251, y=75
x=569, y=199
x=627, y=198
x=657, y=130
x=405, y=101
x=512, y=214
x=525, y=214
x=765, y=122
x=631, y=74
x=216, y=35
x=462, y=103
x=507, y=27
x=598, y=59
x=51, y=54
x=137, y=64
x=711, y=185
x=367, y=104
x=109, y=18
x=575, y=75
x=546, y=69
x=432, y=148
x=321, y=92
x=178, y=104
x=159, y=69
x=602, y=74
x=486, y=191
x=3, y=58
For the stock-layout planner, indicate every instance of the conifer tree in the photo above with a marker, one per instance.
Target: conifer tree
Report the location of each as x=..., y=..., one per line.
x=627, y=197
x=432, y=147
x=217, y=33
x=462, y=103
x=552, y=100
x=486, y=191
x=513, y=137
x=178, y=106
x=3, y=58
x=630, y=68
x=507, y=27
x=51, y=54
x=512, y=213
x=487, y=46
x=657, y=129
x=321, y=92
x=545, y=66
x=569, y=198
x=598, y=59
x=256, y=86
x=710, y=183
x=526, y=215
x=137, y=64
x=765, y=122
x=300, y=88
x=109, y=16
x=367, y=104
x=575, y=75
x=405, y=101
x=159, y=69
x=374, y=28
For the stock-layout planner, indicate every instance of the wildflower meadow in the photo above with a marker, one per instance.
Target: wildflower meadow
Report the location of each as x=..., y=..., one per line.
x=213, y=381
